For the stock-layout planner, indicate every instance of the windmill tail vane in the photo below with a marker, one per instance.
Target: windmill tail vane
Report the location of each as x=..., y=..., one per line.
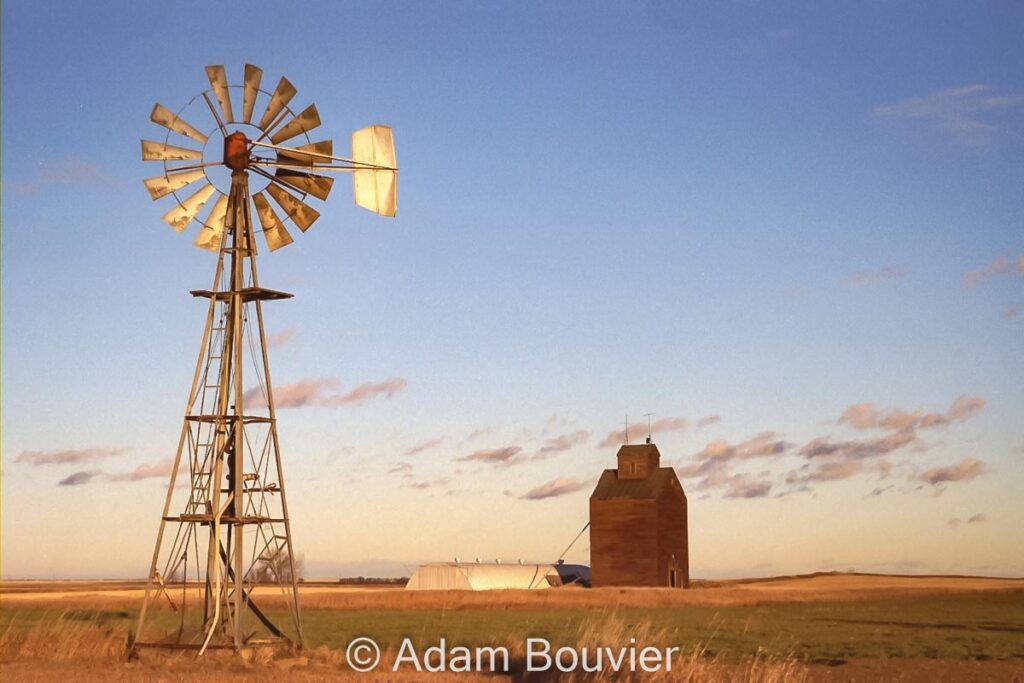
x=224, y=572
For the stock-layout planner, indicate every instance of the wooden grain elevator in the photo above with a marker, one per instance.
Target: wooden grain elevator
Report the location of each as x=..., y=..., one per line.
x=638, y=527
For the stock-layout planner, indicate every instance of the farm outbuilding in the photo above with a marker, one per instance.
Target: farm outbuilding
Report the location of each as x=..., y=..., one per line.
x=638, y=527
x=477, y=576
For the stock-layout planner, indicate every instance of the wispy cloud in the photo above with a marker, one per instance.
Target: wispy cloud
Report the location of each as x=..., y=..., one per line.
x=423, y=485
x=399, y=468
x=713, y=464
x=747, y=486
x=554, y=488
x=864, y=416
x=159, y=469
x=426, y=445
x=870, y=277
x=505, y=455
x=762, y=445
x=824, y=447
x=322, y=392
x=973, y=278
x=66, y=456
x=707, y=421
x=78, y=478
x=977, y=519
x=556, y=421
x=965, y=470
x=880, y=490
x=477, y=433
x=279, y=339
x=71, y=171
x=666, y=424
x=970, y=114
x=564, y=442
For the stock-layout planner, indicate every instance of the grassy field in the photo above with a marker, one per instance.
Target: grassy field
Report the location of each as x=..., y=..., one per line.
x=839, y=627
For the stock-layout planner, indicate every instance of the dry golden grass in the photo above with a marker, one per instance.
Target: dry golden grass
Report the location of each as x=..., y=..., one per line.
x=74, y=647
x=816, y=588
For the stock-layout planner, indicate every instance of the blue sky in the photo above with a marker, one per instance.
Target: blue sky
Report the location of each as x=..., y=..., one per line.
x=765, y=214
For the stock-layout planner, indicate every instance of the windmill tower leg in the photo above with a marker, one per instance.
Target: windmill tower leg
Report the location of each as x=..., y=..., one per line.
x=236, y=482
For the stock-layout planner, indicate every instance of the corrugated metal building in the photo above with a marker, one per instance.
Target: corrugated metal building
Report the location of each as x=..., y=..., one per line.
x=477, y=576
x=638, y=528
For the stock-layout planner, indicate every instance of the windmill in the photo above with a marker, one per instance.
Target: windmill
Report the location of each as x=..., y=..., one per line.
x=223, y=573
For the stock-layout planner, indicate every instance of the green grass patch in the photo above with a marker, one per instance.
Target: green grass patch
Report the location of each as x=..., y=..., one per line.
x=981, y=626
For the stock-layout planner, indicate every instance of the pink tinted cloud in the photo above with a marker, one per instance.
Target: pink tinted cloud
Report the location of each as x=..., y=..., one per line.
x=554, y=488
x=869, y=277
x=762, y=445
x=66, y=456
x=279, y=339
x=747, y=486
x=79, y=478
x=713, y=464
x=322, y=392
x=564, y=442
x=70, y=171
x=973, y=278
x=865, y=416
x=666, y=424
x=965, y=470
x=388, y=388
x=160, y=469
x=505, y=455
x=832, y=470
x=426, y=445
x=824, y=447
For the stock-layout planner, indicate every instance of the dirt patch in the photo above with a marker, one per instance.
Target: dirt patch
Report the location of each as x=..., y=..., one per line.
x=918, y=671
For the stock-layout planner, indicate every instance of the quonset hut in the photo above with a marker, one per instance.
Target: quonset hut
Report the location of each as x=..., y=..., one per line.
x=638, y=532
x=476, y=576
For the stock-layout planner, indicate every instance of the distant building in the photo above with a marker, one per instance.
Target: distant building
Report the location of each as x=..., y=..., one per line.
x=478, y=576
x=638, y=532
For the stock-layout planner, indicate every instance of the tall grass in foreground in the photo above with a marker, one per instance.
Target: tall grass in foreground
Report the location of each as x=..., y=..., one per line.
x=74, y=635
x=96, y=650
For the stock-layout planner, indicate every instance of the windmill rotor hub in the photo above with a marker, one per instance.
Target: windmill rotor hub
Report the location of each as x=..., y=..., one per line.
x=236, y=151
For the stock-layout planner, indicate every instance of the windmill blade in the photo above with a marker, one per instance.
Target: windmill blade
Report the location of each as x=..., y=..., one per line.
x=180, y=215
x=168, y=119
x=317, y=185
x=301, y=213
x=163, y=185
x=283, y=94
x=273, y=229
x=212, y=232
x=321, y=150
x=304, y=122
x=219, y=82
x=158, y=151
x=253, y=75
x=375, y=189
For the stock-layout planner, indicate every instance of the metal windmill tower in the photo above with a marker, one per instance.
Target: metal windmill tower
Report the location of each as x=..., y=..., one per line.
x=223, y=570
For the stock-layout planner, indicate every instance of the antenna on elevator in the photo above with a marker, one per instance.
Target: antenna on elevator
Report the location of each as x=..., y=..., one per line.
x=648, y=416
x=625, y=432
